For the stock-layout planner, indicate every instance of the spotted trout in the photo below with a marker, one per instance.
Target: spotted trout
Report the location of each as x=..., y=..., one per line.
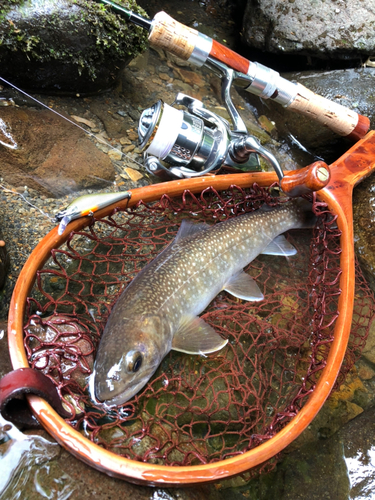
x=159, y=309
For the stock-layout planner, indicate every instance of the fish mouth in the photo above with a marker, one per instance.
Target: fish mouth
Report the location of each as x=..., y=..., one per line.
x=118, y=399
x=117, y=396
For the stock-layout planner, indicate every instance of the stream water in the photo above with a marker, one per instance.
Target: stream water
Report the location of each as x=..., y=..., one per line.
x=338, y=466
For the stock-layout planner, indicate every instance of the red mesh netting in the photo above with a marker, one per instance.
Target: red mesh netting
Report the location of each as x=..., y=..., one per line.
x=195, y=409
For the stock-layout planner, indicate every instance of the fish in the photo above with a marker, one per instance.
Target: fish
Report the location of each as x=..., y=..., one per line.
x=159, y=310
x=87, y=204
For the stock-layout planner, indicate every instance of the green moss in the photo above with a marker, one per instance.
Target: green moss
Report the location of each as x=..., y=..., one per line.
x=7, y=5
x=81, y=32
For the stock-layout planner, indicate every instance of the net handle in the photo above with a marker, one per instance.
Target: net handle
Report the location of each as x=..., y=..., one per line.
x=306, y=180
x=346, y=172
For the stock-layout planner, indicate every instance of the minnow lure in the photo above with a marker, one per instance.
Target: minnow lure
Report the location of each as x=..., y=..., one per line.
x=87, y=205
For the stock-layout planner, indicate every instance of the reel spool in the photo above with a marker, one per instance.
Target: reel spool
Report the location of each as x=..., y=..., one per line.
x=190, y=143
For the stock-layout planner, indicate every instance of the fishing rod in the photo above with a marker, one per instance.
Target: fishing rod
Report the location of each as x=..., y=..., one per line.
x=192, y=142
x=197, y=48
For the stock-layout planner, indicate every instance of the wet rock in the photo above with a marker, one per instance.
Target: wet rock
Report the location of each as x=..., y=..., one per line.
x=4, y=262
x=338, y=468
x=364, y=228
x=66, y=46
x=354, y=396
x=369, y=349
x=358, y=439
x=323, y=28
x=191, y=77
x=365, y=372
x=5, y=364
x=51, y=157
x=115, y=125
x=115, y=155
x=352, y=88
x=133, y=174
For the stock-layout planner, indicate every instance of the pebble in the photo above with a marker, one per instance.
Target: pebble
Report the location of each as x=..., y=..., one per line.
x=135, y=114
x=128, y=149
x=115, y=154
x=79, y=119
x=365, y=372
x=103, y=148
x=190, y=77
x=134, y=175
x=124, y=141
x=133, y=136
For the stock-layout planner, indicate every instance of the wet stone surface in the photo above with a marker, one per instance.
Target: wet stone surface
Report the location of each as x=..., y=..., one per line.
x=65, y=46
x=340, y=467
x=42, y=165
x=364, y=227
x=323, y=28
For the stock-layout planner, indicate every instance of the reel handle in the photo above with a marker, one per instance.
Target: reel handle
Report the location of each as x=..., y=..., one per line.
x=191, y=45
x=306, y=180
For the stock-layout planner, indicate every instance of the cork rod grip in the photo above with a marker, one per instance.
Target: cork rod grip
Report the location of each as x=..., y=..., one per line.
x=338, y=118
x=172, y=36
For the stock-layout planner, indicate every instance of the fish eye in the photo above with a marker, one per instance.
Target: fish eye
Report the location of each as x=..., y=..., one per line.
x=134, y=361
x=137, y=364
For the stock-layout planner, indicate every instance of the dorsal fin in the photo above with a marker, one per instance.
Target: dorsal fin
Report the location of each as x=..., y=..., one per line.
x=188, y=228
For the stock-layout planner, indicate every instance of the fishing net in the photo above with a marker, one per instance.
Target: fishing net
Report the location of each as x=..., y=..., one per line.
x=195, y=409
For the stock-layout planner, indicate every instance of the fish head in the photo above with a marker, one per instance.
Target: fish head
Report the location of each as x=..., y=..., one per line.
x=122, y=372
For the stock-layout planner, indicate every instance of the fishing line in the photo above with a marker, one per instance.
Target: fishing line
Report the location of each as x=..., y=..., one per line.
x=99, y=139
x=27, y=201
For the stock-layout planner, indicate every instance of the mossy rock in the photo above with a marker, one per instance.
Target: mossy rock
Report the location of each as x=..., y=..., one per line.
x=66, y=46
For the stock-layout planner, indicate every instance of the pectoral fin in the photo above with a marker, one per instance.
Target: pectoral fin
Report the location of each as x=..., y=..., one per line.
x=242, y=286
x=280, y=246
x=195, y=336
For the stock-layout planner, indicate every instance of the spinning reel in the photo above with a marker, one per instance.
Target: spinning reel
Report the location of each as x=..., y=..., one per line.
x=194, y=141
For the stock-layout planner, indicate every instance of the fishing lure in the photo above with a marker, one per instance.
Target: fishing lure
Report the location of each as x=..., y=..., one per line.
x=87, y=204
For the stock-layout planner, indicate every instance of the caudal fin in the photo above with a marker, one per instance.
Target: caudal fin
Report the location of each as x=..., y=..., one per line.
x=306, y=215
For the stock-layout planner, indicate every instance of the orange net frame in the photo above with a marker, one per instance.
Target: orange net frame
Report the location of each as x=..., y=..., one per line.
x=195, y=409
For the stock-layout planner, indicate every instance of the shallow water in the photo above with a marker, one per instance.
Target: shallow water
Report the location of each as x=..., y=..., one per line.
x=26, y=466
x=341, y=466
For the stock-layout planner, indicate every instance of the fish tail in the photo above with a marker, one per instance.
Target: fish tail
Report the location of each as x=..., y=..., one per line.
x=306, y=216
